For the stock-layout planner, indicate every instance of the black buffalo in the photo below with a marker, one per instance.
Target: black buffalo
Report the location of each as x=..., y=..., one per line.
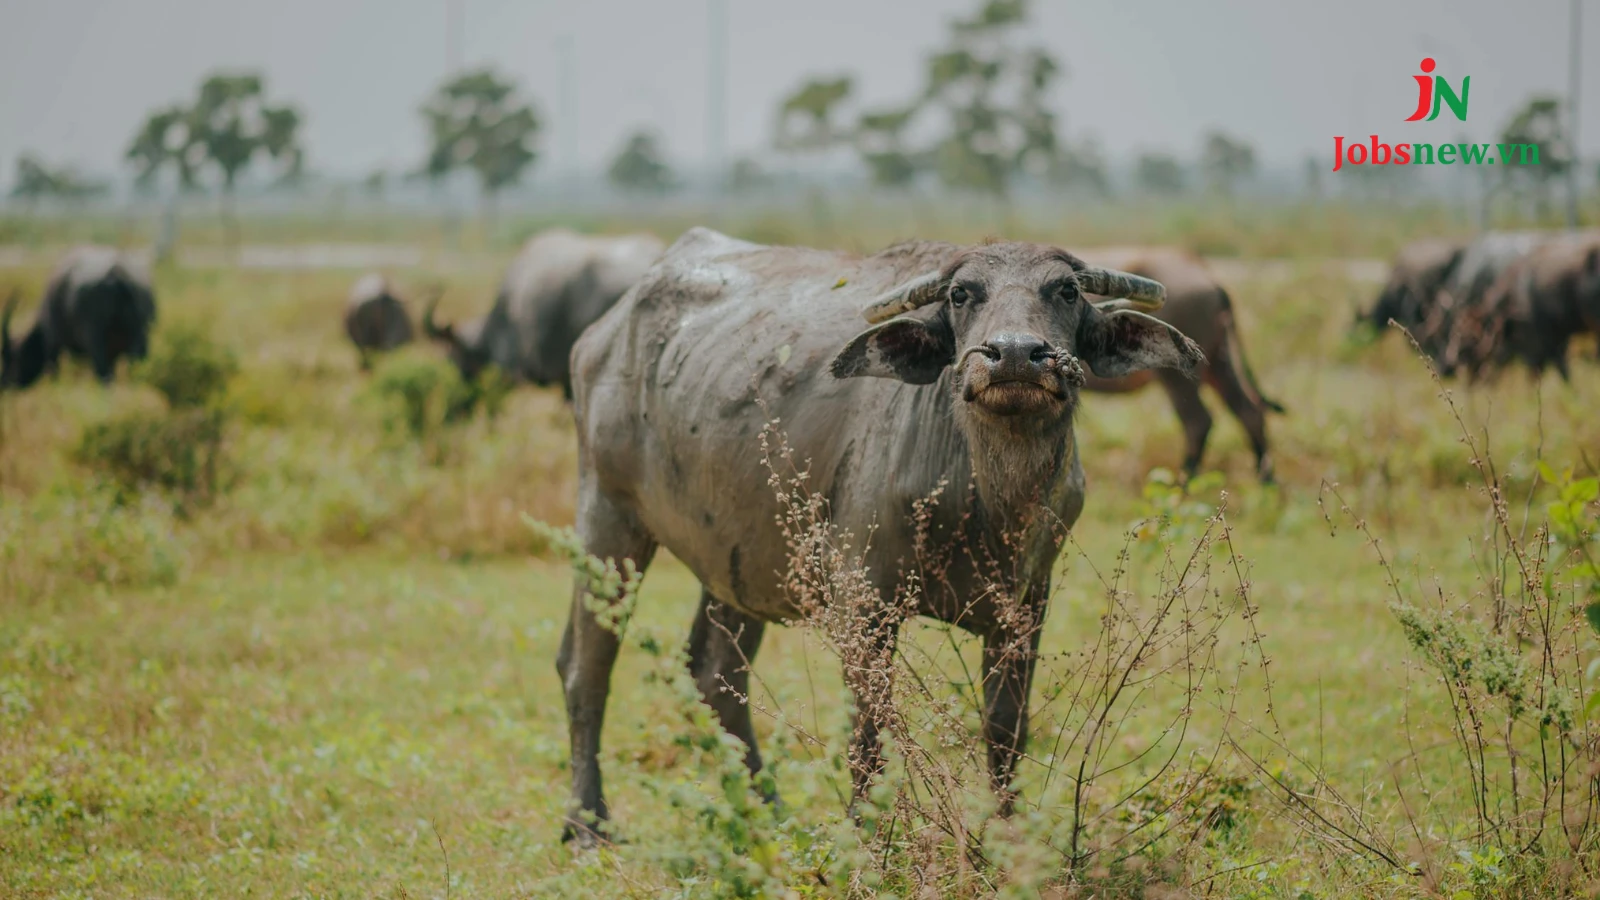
x=98, y=306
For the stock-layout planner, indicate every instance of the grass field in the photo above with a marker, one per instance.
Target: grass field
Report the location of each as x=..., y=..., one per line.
x=333, y=675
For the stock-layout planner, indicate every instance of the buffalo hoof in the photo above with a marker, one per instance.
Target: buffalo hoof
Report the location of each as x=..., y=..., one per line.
x=588, y=837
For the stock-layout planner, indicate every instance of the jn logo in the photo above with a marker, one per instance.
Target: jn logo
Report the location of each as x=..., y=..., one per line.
x=1432, y=89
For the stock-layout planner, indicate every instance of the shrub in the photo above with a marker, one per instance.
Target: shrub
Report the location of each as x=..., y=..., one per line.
x=187, y=367
x=178, y=451
x=423, y=398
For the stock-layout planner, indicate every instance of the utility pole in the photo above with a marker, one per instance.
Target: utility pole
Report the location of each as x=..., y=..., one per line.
x=1573, y=57
x=717, y=90
x=568, y=128
x=452, y=36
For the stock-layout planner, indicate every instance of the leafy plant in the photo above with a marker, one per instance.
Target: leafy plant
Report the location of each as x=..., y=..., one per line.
x=1173, y=509
x=181, y=449
x=187, y=367
x=1574, y=523
x=423, y=398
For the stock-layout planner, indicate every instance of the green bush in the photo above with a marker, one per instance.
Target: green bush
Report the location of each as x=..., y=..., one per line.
x=423, y=396
x=179, y=451
x=187, y=367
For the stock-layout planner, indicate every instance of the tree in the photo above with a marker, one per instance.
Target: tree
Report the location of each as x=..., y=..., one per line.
x=1313, y=176
x=806, y=118
x=37, y=181
x=376, y=184
x=986, y=92
x=1159, y=173
x=639, y=166
x=747, y=176
x=228, y=127
x=1539, y=122
x=1081, y=165
x=233, y=125
x=991, y=94
x=163, y=142
x=880, y=140
x=478, y=121
x=1226, y=161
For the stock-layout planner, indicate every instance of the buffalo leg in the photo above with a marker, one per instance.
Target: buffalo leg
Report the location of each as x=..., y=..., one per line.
x=1247, y=407
x=722, y=644
x=1192, y=413
x=101, y=359
x=588, y=651
x=1008, y=663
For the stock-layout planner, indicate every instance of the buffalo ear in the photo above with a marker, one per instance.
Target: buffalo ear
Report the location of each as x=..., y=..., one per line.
x=904, y=348
x=1591, y=261
x=1120, y=343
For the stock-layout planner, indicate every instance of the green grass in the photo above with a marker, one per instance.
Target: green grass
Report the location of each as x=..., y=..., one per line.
x=337, y=678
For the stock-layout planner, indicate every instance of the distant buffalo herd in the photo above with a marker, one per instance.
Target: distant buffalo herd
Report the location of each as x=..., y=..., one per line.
x=929, y=390
x=1475, y=306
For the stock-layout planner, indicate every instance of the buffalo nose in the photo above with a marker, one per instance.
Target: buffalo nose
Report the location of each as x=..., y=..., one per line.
x=1012, y=351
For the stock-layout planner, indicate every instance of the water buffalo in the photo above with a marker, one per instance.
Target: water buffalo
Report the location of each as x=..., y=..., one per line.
x=558, y=285
x=375, y=318
x=1460, y=330
x=1419, y=270
x=968, y=380
x=97, y=306
x=1546, y=298
x=1199, y=307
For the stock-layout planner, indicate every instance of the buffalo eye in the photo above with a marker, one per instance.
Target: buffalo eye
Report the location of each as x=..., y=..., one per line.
x=1066, y=291
x=958, y=295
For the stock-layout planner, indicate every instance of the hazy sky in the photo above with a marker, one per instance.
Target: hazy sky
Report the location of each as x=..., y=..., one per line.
x=76, y=76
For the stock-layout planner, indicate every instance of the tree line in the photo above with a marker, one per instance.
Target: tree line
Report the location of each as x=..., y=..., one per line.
x=981, y=121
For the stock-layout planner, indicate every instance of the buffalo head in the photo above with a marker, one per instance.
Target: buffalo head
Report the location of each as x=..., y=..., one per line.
x=464, y=341
x=1015, y=323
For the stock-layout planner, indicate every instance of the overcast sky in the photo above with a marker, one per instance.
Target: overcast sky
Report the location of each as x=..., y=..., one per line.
x=76, y=76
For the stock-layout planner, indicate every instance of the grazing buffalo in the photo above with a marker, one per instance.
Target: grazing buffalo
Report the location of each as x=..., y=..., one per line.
x=944, y=430
x=1461, y=330
x=375, y=318
x=1199, y=307
x=559, y=284
x=1419, y=270
x=1547, y=297
x=97, y=306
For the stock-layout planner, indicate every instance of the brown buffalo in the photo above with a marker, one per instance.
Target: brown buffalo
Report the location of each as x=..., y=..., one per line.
x=1547, y=298
x=1200, y=308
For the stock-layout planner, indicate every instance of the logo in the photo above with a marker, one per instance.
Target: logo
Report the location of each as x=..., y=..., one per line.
x=1432, y=90
x=1433, y=93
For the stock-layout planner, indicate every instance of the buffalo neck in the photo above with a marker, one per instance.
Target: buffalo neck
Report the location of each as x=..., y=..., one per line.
x=1023, y=470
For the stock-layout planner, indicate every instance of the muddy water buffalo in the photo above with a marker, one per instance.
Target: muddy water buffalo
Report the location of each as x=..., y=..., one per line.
x=97, y=306
x=967, y=383
x=558, y=285
x=1547, y=297
x=1199, y=307
x=1457, y=331
x=375, y=318
x=1419, y=270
